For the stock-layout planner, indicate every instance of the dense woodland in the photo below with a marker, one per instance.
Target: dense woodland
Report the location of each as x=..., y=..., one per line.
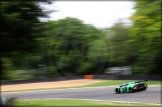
x=70, y=47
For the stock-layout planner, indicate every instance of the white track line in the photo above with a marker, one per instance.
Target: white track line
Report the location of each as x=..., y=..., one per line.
x=70, y=88
x=113, y=102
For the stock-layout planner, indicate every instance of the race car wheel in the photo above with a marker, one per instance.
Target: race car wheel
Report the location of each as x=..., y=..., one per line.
x=130, y=90
x=145, y=87
x=117, y=91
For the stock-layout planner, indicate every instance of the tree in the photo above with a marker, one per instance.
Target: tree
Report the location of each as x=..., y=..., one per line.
x=121, y=51
x=146, y=34
x=19, y=30
x=71, y=41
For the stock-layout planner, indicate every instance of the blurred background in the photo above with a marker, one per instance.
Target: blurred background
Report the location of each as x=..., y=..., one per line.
x=56, y=38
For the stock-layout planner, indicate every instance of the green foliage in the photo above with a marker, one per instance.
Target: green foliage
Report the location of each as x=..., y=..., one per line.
x=120, y=48
x=20, y=32
x=70, y=47
x=71, y=43
x=7, y=67
x=145, y=32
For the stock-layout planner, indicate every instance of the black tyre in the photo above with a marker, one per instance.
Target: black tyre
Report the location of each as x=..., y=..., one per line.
x=117, y=91
x=130, y=90
x=145, y=87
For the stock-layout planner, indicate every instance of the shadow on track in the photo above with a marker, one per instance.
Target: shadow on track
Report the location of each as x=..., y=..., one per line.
x=131, y=92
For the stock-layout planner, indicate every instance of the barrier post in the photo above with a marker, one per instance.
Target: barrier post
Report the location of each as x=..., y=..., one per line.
x=88, y=76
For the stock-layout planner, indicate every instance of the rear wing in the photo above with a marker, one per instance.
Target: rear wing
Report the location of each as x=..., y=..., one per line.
x=142, y=81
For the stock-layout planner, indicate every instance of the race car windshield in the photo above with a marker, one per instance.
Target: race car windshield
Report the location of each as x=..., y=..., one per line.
x=124, y=83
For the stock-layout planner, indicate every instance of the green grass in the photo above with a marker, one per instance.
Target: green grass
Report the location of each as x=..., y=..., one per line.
x=104, y=83
x=117, y=82
x=52, y=102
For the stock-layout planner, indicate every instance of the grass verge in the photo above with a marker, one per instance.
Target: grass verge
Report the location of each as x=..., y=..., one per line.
x=67, y=102
x=117, y=82
x=104, y=83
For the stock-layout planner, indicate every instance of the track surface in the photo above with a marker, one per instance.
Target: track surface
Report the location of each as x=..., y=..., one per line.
x=151, y=95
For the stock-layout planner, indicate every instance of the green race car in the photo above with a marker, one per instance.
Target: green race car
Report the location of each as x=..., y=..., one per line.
x=131, y=87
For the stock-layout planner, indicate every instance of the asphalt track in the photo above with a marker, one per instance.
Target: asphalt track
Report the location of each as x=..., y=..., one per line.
x=151, y=95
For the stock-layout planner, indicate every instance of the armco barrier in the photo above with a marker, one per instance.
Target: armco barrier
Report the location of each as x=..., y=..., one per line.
x=42, y=80
x=128, y=77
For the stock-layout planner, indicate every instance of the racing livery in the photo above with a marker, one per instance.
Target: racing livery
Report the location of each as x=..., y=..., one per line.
x=131, y=87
